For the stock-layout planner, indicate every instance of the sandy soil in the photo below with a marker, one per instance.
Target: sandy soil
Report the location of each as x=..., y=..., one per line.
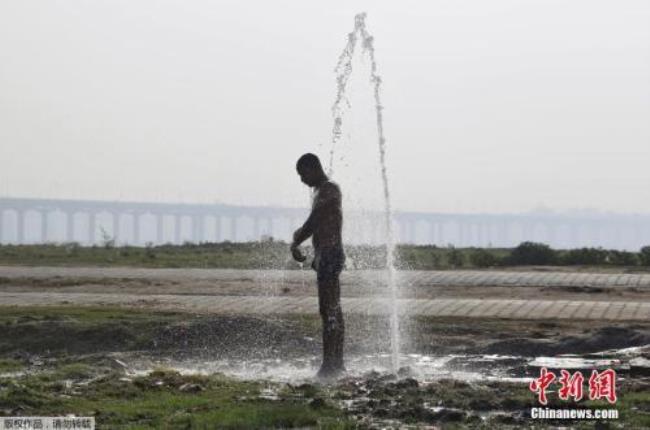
x=306, y=287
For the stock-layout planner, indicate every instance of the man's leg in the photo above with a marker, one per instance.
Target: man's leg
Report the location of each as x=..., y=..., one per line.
x=339, y=332
x=333, y=326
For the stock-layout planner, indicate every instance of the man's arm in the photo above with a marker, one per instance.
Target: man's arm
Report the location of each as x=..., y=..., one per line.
x=327, y=196
x=306, y=230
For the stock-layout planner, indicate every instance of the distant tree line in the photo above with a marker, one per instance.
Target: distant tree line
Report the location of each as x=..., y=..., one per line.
x=525, y=254
x=272, y=254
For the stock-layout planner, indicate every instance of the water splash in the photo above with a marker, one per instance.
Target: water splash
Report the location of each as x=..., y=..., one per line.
x=341, y=104
x=295, y=370
x=343, y=71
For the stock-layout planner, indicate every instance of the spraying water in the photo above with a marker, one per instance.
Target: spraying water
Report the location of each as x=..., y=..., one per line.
x=341, y=104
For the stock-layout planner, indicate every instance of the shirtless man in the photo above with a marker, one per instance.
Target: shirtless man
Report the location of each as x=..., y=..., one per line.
x=324, y=226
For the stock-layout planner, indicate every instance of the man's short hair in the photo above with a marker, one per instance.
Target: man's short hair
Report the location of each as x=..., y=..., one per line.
x=309, y=161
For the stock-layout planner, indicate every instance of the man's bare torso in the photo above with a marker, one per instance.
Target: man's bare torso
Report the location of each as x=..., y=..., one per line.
x=328, y=226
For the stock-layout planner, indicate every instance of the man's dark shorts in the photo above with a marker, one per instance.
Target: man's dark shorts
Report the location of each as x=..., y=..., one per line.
x=328, y=263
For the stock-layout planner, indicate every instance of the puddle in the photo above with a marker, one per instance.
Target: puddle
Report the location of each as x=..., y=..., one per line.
x=575, y=363
x=16, y=374
x=421, y=367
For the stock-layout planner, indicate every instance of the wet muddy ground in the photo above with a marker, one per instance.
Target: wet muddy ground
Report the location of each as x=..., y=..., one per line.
x=455, y=373
x=144, y=367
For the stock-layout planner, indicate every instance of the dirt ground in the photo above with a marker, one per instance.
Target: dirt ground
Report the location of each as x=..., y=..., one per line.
x=306, y=286
x=455, y=372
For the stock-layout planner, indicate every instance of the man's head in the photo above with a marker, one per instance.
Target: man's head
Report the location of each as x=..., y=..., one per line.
x=310, y=170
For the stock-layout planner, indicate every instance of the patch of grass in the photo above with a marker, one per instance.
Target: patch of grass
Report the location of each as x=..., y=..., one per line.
x=634, y=409
x=10, y=365
x=68, y=331
x=309, y=324
x=15, y=315
x=78, y=371
x=78, y=329
x=275, y=255
x=261, y=415
x=166, y=399
x=256, y=255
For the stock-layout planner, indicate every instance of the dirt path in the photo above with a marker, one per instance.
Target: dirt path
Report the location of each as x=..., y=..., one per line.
x=256, y=305
x=480, y=285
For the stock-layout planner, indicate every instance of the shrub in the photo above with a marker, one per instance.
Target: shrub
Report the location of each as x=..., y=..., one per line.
x=531, y=253
x=108, y=242
x=622, y=258
x=585, y=256
x=455, y=257
x=644, y=256
x=483, y=258
x=434, y=259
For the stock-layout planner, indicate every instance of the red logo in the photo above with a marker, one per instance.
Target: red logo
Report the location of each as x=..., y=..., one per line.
x=571, y=385
x=540, y=384
x=601, y=385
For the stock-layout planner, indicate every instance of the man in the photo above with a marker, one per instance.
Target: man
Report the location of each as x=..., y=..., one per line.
x=324, y=226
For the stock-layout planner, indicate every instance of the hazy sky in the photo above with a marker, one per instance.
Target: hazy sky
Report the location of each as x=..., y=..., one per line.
x=489, y=105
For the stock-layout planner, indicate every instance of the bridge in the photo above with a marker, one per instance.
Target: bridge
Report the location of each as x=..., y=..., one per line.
x=89, y=222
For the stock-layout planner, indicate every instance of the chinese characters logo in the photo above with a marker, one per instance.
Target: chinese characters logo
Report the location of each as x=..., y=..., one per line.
x=601, y=385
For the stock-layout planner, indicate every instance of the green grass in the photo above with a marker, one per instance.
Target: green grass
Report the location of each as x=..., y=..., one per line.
x=275, y=255
x=10, y=365
x=634, y=409
x=11, y=315
x=158, y=401
x=89, y=384
x=76, y=329
x=222, y=255
x=70, y=330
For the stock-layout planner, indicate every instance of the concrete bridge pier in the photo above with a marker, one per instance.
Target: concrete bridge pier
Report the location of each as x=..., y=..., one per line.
x=378, y=232
x=645, y=236
x=433, y=237
x=177, y=229
x=481, y=234
x=92, y=227
x=197, y=228
x=502, y=234
x=460, y=234
x=442, y=238
x=233, y=228
x=489, y=234
x=256, y=228
x=116, y=226
x=639, y=235
x=528, y=231
x=159, y=229
x=269, y=227
x=20, y=227
x=217, y=229
x=410, y=232
x=44, y=226
x=464, y=234
x=136, y=228
x=69, y=228
x=551, y=233
x=574, y=235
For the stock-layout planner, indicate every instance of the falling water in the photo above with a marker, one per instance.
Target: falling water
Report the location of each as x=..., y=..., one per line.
x=343, y=72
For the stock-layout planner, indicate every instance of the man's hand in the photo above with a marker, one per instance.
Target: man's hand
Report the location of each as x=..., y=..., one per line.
x=297, y=255
x=295, y=250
